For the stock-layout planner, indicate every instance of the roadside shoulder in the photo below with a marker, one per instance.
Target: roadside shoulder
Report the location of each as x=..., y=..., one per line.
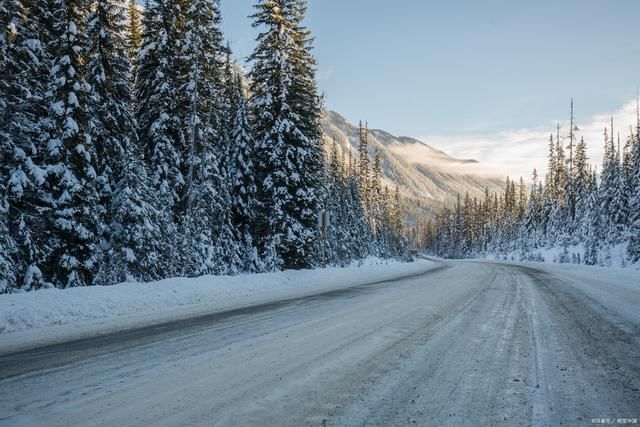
x=51, y=316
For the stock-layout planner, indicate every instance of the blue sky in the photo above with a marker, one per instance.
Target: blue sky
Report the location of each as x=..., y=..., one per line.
x=467, y=68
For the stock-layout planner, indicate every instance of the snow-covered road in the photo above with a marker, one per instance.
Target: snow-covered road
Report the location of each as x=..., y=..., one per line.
x=473, y=343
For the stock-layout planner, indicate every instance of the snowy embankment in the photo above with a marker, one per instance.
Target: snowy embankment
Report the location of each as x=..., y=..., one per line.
x=54, y=315
x=616, y=288
x=612, y=256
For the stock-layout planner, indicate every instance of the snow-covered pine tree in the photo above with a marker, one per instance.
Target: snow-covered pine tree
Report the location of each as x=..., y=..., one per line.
x=468, y=213
x=134, y=31
x=70, y=189
x=522, y=199
x=244, y=189
x=111, y=125
x=511, y=217
x=633, y=248
x=486, y=219
x=376, y=196
x=290, y=158
x=549, y=195
x=358, y=225
x=570, y=172
x=561, y=222
x=533, y=215
x=138, y=227
x=8, y=249
x=24, y=74
x=158, y=113
x=307, y=104
x=458, y=228
x=557, y=215
x=336, y=202
x=612, y=198
x=363, y=166
x=229, y=94
x=383, y=233
x=207, y=216
x=398, y=239
x=581, y=182
x=591, y=228
x=627, y=164
x=560, y=169
x=479, y=218
x=550, y=179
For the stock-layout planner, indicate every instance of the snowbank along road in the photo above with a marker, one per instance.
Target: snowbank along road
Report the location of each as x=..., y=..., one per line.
x=469, y=343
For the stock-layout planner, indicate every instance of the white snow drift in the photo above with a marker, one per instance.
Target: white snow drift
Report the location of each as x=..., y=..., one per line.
x=51, y=315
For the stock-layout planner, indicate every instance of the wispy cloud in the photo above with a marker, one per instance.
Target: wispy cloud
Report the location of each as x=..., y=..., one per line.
x=517, y=152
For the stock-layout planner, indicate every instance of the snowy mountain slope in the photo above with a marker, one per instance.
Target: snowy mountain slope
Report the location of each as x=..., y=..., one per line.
x=428, y=178
x=416, y=151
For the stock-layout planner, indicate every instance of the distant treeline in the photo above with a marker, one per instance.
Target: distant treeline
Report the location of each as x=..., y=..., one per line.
x=575, y=209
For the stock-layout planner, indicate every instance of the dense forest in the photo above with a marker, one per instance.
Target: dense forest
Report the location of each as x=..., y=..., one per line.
x=133, y=147
x=577, y=213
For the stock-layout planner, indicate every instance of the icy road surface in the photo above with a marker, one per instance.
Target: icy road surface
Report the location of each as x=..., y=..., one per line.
x=470, y=343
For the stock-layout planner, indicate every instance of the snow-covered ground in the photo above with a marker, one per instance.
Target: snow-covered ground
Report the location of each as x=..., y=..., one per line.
x=53, y=315
x=616, y=288
x=614, y=256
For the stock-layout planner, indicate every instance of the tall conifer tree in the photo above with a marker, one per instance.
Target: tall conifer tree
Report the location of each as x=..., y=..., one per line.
x=286, y=129
x=25, y=62
x=70, y=190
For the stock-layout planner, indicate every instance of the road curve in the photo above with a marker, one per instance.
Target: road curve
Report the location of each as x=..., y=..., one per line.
x=468, y=344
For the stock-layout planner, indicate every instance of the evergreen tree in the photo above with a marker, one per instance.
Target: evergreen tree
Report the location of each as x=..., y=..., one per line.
x=70, y=188
x=533, y=215
x=111, y=125
x=306, y=105
x=376, y=199
x=363, y=166
x=549, y=194
x=290, y=155
x=557, y=207
x=551, y=170
x=138, y=228
x=582, y=177
x=158, y=110
x=591, y=229
x=633, y=249
x=384, y=233
x=612, y=199
x=24, y=73
x=134, y=32
x=338, y=234
x=468, y=225
x=570, y=171
x=560, y=170
x=8, y=249
x=358, y=224
x=522, y=199
x=244, y=189
x=628, y=164
x=207, y=218
x=396, y=223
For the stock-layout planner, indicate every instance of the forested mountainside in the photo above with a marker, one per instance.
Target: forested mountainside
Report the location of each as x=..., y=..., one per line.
x=428, y=178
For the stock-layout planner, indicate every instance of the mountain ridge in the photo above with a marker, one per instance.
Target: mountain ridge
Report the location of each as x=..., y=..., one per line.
x=428, y=177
